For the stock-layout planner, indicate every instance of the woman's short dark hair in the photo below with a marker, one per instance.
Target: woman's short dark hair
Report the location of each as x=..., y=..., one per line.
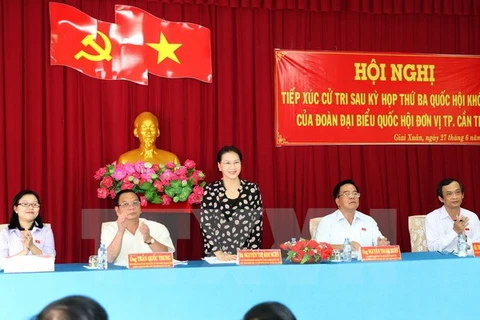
x=446, y=182
x=227, y=149
x=14, y=222
x=73, y=308
x=336, y=190
x=269, y=311
x=116, y=201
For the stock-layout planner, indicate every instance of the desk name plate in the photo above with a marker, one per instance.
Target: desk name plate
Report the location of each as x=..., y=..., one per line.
x=264, y=256
x=150, y=260
x=476, y=249
x=381, y=253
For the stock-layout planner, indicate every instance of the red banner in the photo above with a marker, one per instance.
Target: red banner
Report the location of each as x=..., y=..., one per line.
x=136, y=44
x=325, y=98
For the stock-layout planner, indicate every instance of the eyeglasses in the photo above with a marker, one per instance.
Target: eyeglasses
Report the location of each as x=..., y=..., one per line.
x=349, y=194
x=128, y=204
x=26, y=205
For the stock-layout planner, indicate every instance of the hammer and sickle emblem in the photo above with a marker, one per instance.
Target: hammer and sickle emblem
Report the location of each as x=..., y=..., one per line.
x=103, y=53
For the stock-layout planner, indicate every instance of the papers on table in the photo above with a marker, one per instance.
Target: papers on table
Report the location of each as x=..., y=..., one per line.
x=179, y=263
x=175, y=263
x=214, y=260
x=29, y=263
x=90, y=268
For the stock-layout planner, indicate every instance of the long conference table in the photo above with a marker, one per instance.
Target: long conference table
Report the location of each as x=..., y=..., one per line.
x=421, y=286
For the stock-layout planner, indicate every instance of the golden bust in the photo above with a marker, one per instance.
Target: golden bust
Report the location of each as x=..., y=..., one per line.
x=147, y=131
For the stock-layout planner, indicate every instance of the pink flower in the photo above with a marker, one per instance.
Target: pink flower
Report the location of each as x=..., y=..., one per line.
x=194, y=198
x=107, y=182
x=99, y=174
x=155, y=167
x=166, y=176
x=181, y=171
x=119, y=173
x=166, y=200
x=129, y=168
x=112, y=194
x=189, y=164
x=127, y=185
x=143, y=201
x=139, y=166
x=198, y=190
x=135, y=175
x=158, y=185
x=170, y=165
x=147, y=174
x=102, y=193
x=197, y=176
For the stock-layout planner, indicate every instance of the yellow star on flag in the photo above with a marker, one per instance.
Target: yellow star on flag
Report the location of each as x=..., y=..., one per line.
x=165, y=49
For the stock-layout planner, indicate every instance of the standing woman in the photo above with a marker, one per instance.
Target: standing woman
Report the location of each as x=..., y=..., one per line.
x=231, y=212
x=26, y=234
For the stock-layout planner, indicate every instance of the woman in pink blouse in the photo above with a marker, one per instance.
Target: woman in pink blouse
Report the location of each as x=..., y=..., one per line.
x=26, y=234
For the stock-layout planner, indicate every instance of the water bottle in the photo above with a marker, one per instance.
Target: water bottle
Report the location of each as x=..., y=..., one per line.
x=461, y=246
x=347, y=250
x=102, y=257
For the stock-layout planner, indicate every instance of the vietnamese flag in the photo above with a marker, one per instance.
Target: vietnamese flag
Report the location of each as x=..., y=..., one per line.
x=170, y=49
x=91, y=46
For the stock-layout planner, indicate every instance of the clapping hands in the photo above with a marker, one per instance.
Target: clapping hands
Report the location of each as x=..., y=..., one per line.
x=122, y=222
x=145, y=230
x=460, y=223
x=27, y=240
x=382, y=241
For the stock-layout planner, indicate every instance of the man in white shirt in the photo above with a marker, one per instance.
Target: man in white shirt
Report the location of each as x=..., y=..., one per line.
x=347, y=222
x=132, y=234
x=443, y=225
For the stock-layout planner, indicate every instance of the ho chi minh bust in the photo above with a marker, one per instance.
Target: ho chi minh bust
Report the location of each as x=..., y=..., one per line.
x=147, y=131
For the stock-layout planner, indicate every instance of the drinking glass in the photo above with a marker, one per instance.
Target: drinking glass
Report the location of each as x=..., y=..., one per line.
x=337, y=256
x=93, y=261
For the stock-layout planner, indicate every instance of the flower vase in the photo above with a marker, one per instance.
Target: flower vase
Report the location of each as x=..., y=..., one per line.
x=298, y=260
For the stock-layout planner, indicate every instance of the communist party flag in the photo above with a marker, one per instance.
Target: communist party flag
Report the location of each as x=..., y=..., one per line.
x=136, y=44
x=90, y=46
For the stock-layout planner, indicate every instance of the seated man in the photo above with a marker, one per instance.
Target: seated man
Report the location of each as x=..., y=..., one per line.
x=147, y=131
x=443, y=225
x=347, y=222
x=130, y=233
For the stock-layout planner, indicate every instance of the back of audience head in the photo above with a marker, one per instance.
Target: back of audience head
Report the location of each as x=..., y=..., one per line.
x=73, y=308
x=269, y=311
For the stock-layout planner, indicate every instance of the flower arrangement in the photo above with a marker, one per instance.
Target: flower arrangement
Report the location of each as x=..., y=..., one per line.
x=305, y=250
x=157, y=183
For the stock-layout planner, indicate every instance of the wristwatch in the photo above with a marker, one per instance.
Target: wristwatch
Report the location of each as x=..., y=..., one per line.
x=152, y=241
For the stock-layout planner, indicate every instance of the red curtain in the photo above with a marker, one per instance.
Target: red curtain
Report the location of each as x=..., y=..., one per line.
x=59, y=126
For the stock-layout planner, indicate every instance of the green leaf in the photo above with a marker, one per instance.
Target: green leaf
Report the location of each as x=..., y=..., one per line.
x=290, y=255
x=305, y=258
x=170, y=192
x=157, y=200
x=147, y=186
x=150, y=195
x=176, y=184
